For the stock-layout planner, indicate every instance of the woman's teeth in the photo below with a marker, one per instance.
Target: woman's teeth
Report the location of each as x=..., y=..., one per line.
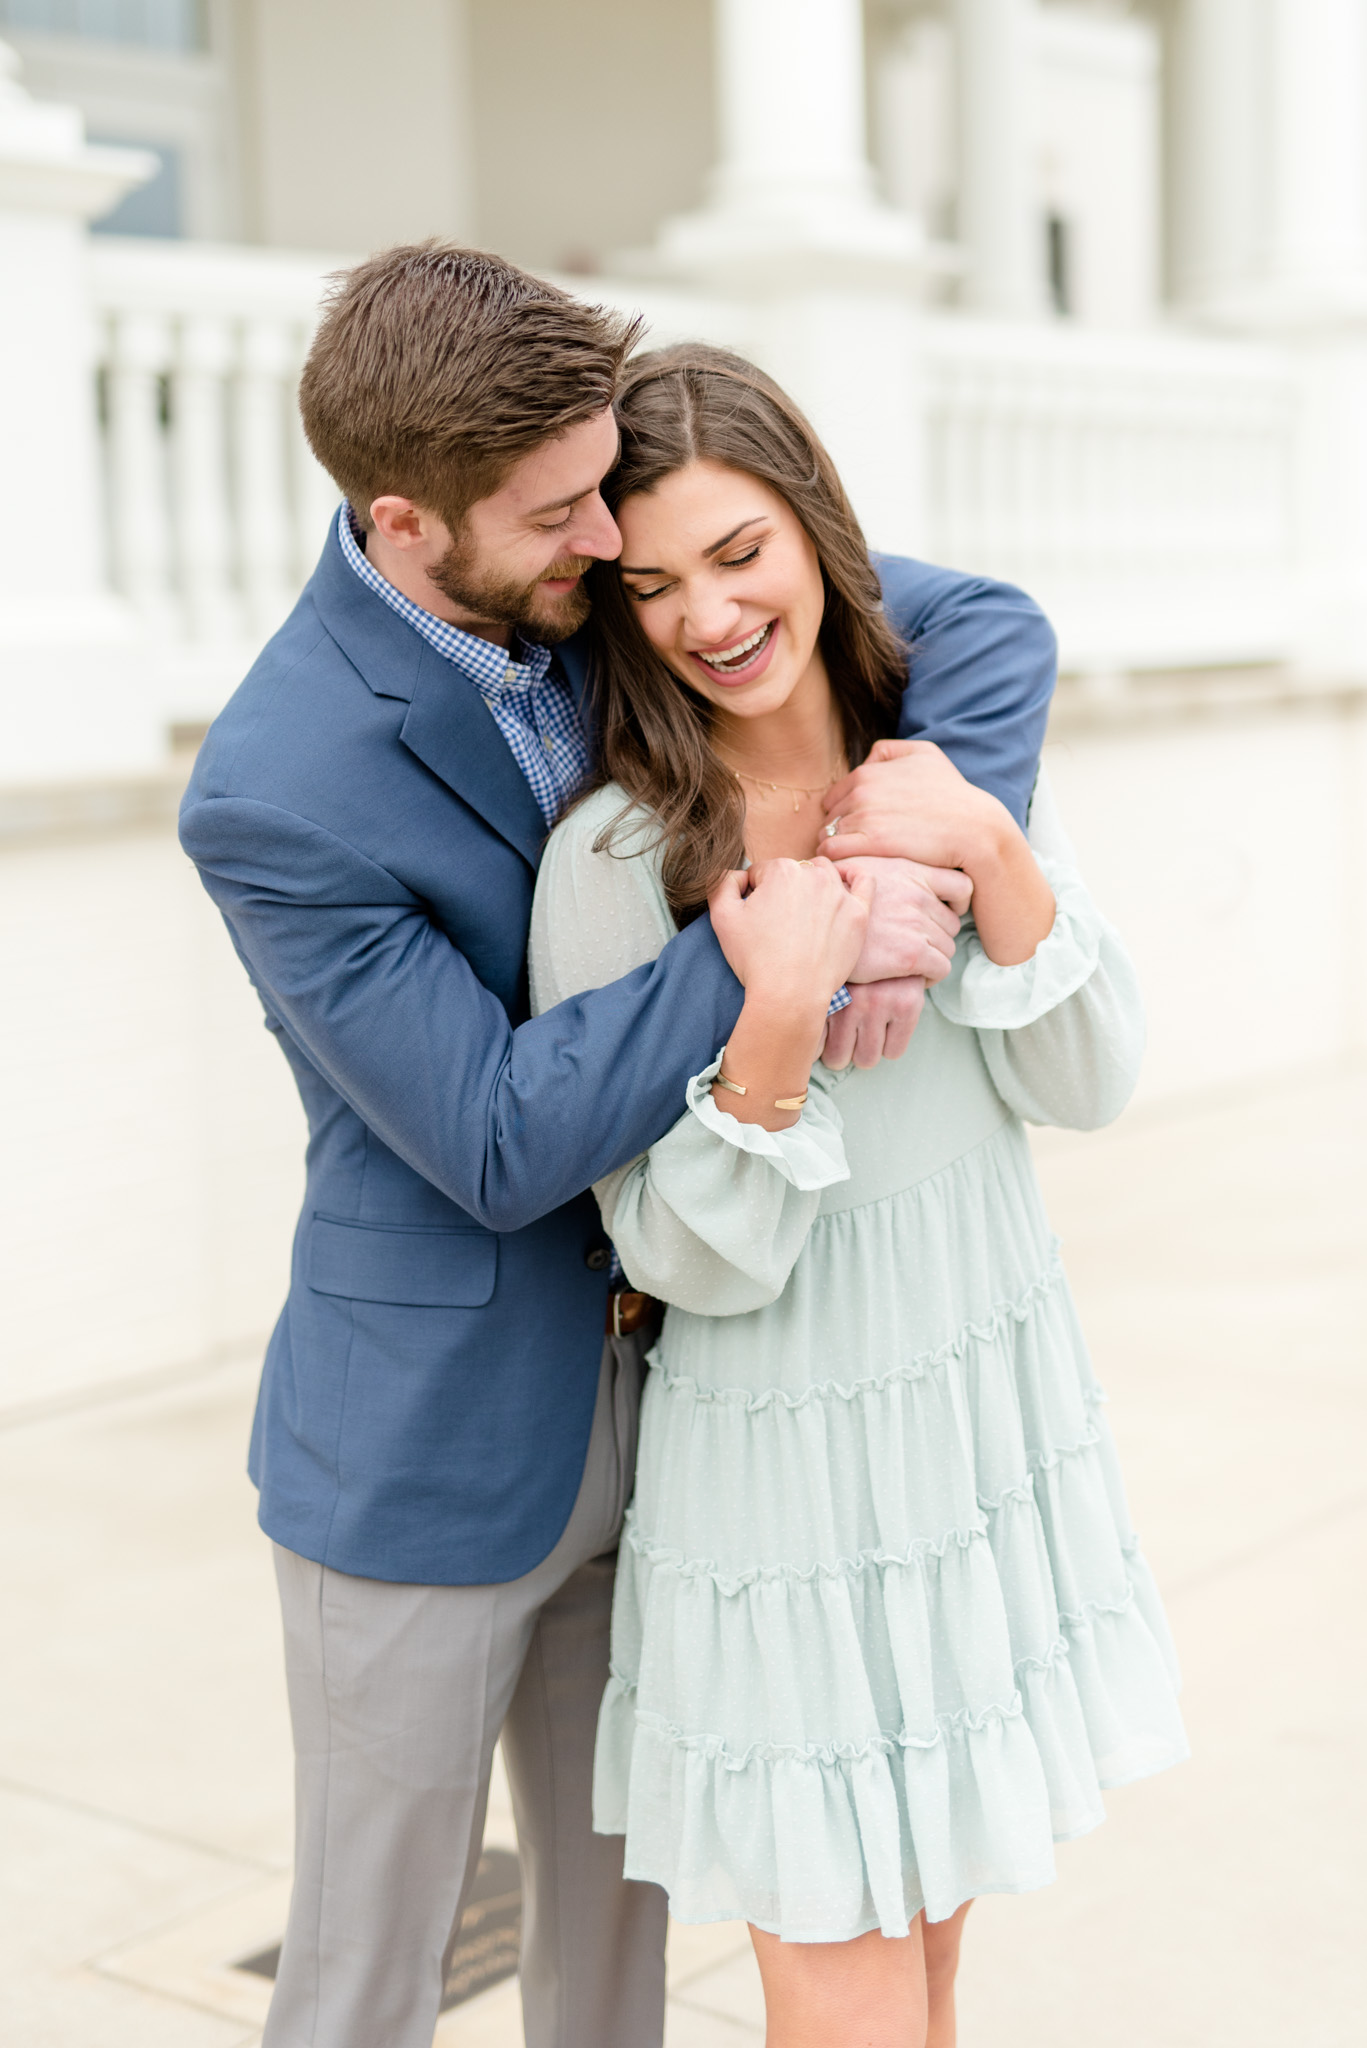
x=741, y=654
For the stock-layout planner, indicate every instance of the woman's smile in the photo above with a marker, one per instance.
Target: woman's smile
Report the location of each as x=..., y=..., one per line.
x=742, y=660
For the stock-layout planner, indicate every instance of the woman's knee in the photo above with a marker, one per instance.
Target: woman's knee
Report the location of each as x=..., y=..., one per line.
x=940, y=1940
x=869, y=1990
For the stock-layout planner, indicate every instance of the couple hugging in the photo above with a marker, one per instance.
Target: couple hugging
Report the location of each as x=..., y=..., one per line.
x=572, y=832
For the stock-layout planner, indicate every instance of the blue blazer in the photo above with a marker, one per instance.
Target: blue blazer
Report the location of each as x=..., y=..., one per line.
x=361, y=824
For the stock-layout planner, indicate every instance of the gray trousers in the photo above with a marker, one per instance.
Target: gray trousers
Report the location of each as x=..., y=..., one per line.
x=397, y=1697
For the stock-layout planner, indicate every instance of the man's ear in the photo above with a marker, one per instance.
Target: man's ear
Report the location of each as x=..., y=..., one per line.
x=402, y=524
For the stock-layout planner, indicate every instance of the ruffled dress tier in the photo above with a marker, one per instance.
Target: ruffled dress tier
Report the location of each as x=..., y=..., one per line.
x=882, y=1629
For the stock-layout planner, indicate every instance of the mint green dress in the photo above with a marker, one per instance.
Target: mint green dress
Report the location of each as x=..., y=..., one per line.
x=882, y=1631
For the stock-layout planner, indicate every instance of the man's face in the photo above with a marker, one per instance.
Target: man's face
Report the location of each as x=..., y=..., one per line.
x=520, y=557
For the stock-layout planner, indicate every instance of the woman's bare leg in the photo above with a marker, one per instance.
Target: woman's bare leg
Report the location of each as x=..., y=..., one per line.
x=940, y=1940
x=867, y=1993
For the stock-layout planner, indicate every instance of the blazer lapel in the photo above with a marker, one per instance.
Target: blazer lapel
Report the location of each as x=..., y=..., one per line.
x=447, y=724
x=450, y=729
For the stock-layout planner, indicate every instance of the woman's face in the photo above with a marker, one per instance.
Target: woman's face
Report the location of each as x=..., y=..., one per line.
x=727, y=586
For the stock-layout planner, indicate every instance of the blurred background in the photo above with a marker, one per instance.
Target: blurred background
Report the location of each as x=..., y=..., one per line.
x=1077, y=294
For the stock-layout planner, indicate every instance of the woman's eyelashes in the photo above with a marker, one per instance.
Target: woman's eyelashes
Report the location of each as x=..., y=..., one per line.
x=736, y=562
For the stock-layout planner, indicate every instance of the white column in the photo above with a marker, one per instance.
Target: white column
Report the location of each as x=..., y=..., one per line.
x=793, y=185
x=1216, y=148
x=1315, y=251
x=790, y=106
x=1269, y=219
x=51, y=183
x=1268, y=164
x=1000, y=232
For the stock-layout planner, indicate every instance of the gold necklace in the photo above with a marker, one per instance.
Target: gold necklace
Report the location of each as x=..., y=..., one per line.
x=793, y=789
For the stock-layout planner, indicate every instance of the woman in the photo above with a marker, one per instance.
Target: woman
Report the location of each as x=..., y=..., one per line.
x=881, y=1629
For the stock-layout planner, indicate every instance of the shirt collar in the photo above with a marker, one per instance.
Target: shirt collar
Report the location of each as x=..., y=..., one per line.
x=492, y=669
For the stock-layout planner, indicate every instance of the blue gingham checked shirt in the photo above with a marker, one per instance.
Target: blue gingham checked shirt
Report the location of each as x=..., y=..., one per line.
x=528, y=700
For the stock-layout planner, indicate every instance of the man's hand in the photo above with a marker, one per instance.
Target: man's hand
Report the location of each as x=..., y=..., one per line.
x=877, y=1024
x=914, y=920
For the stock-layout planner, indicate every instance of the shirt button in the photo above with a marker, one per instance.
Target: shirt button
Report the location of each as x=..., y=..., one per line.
x=598, y=1258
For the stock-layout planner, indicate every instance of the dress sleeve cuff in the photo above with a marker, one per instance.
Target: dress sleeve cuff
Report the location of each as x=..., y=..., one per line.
x=809, y=1154
x=986, y=997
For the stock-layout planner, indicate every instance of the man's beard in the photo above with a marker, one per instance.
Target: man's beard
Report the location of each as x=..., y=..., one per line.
x=524, y=606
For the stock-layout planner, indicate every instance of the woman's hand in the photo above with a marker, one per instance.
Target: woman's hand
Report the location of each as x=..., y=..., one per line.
x=908, y=799
x=792, y=931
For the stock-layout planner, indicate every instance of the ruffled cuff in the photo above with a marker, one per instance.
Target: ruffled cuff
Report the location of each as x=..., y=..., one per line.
x=986, y=997
x=809, y=1154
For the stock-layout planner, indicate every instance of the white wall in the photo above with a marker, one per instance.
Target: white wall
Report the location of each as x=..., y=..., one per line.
x=621, y=131
x=356, y=123
x=153, y=1138
x=1233, y=858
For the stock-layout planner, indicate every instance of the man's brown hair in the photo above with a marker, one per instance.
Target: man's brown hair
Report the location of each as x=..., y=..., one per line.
x=435, y=369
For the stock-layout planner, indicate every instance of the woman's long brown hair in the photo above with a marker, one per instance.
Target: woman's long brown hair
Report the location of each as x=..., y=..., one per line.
x=695, y=403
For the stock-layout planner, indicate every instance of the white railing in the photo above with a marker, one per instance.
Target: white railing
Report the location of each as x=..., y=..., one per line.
x=215, y=507
x=1140, y=485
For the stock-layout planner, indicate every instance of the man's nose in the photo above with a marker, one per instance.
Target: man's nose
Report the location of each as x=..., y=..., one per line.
x=595, y=532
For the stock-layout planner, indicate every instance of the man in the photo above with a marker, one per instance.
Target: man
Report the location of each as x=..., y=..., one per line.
x=444, y=1439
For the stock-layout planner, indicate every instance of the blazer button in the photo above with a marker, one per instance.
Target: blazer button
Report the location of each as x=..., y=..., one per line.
x=598, y=1258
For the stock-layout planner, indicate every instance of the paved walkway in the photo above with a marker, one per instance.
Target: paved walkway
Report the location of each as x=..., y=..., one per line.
x=1218, y=1254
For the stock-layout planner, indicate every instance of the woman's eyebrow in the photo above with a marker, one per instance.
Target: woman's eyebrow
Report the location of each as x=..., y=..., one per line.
x=715, y=548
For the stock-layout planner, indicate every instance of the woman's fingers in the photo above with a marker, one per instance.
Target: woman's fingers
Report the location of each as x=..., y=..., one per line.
x=881, y=753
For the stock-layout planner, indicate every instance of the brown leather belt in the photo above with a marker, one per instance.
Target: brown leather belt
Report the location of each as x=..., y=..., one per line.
x=628, y=1312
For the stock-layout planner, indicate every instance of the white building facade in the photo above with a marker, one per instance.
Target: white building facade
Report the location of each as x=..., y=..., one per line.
x=1076, y=293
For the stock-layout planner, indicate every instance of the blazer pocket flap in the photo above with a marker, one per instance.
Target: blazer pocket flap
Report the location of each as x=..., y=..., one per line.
x=413, y=1268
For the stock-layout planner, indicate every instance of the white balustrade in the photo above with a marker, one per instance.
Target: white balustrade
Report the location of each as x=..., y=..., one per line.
x=1139, y=486
x=138, y=363
x=216, y=507
x=262, y=447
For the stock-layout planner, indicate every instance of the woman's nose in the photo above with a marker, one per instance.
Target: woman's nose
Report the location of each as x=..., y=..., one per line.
x=710, y=618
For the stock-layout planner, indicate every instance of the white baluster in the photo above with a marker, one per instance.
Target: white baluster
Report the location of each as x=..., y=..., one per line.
x=138, y=494
x=261, y=464
x=199, y=452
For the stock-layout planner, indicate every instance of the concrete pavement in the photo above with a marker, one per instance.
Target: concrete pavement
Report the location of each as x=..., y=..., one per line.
x=1218, y=1255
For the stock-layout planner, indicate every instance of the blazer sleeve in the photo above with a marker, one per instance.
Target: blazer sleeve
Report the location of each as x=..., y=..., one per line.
x=506, y=1123
x=982, y=661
